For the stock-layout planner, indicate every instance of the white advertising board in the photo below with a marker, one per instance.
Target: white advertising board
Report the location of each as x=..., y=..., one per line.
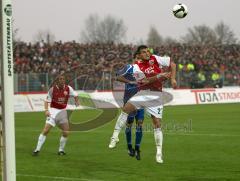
x=35, y=102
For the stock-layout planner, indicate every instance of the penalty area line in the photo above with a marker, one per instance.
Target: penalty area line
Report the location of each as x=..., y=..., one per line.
x=55, y=178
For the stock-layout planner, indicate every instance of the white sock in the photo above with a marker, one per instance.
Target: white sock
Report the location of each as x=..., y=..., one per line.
x=158, y=135
x=121, y=122
x=62, y=143
x=41, y=140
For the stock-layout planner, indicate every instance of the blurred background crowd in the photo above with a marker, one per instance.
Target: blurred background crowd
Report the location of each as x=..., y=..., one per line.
x=90, y=66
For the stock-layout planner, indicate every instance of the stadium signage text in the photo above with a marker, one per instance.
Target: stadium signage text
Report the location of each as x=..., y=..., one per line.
x=9, y=47
x=212, y=96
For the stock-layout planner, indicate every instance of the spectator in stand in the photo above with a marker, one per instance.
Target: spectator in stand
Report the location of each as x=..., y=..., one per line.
x=216, y=79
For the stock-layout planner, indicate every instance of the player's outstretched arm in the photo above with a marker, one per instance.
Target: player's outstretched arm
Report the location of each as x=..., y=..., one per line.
x=149, y=80
x=124, y=80
x=166, y=61
x=173, y=75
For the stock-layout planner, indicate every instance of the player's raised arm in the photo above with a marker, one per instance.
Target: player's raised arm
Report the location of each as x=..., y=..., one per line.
x=167, y=62
x=173, y=75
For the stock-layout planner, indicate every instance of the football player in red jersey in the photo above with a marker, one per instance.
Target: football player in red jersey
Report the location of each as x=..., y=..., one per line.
x=149, y=96
x=58, y=96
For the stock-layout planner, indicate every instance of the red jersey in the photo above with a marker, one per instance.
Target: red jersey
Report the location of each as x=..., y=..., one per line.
x=58, y=97
x=152, y=67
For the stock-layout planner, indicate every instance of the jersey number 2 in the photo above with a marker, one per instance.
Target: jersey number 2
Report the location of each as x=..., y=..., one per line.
x=159, y=110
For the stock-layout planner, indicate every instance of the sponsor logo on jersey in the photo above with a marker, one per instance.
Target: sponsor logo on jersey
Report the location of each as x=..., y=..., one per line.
x=149, y=70
x=151, y=62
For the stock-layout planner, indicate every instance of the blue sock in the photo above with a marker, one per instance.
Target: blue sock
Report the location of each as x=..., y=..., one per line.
x=128, y=132
x=139, y=135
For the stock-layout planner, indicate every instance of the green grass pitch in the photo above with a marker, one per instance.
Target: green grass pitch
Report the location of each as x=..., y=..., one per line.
x=201, y=142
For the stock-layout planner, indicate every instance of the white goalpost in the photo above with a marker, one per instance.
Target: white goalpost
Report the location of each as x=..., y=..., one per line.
x=8, y=131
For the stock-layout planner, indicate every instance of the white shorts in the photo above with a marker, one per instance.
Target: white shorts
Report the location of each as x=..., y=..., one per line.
x=152, y=101
x=57, y=116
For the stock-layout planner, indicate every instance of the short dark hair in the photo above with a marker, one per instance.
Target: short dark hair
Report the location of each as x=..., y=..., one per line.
x=135, y=54
x=140, y=48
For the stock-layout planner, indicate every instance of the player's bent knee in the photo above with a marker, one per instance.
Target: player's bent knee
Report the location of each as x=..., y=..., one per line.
x=139, y=123
x=45, y=132
x=128, y=108
x=65, y=133
x=157, y=124
x=125, y=110
x=129, y=125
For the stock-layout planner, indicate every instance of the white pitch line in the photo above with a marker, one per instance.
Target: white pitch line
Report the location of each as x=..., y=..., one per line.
x=56, y=178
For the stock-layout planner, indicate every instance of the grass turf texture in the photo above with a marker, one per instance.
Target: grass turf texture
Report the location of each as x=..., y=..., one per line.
x=201, y=142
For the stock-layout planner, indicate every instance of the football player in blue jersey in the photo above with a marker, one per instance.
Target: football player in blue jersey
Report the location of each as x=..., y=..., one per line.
x=125, y=75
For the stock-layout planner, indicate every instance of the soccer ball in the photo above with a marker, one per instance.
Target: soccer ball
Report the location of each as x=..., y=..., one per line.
x=180, y=10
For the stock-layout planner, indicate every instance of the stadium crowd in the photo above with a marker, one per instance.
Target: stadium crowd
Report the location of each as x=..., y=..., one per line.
x=198, y=66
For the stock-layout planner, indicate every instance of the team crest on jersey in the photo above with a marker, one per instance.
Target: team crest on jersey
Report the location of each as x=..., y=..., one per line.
x=151, y=62
x=65, y=93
